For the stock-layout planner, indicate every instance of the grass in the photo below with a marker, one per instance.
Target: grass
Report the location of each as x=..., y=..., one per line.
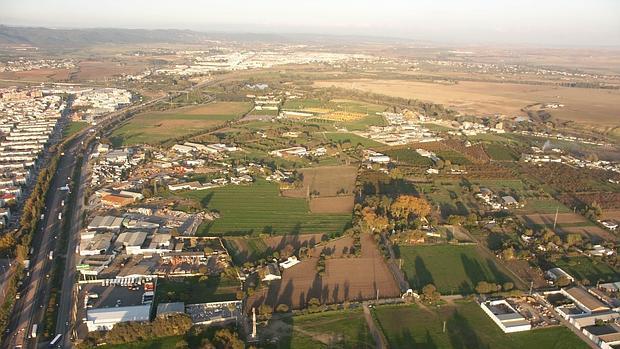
x=467, y=326
x=545, y=206
x=452, y=269
x=73, y=128
x=351, y=138
x=259, y=208
x=256, y=248
x=586, y=268
x=157, y=127
x=501, y=152
x=363, y=123
x=193, y=290
x=454, y=157
x=349, y=325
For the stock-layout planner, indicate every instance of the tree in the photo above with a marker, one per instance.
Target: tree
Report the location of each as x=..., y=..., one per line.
x=508, y=253
x=507, y=286
x=405, y=205
x=265, y=310
x=227, y=339
x=430, y=293
x=573, y=239
x=484, y=287
x=282, y=308
x=373, y=221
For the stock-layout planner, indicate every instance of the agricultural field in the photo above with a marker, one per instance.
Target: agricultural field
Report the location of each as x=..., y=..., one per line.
x=156, y=127
x=97, y=70
x=594, y=106
x=452, y=269
x=191, y=290
x=467, y=326
x=259, y=208
x=454, y=157
x=584, y=268
x=352, y=139
x=407, y=156
x=448, y=196
x=544, y=206
x=38, y=75
x=354, y=115
x=346, y=277
x=501, y=152
x=333, y=329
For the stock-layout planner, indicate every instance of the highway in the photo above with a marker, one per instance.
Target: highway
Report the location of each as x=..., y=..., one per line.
x=30, y=308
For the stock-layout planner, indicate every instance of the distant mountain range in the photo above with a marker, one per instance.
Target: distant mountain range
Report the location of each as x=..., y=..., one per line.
x=68, y=38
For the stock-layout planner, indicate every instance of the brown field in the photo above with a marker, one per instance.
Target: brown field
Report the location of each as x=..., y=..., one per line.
x=95, y=70
x=286, y=244
x=327, y=180
x=583, y=105
x=344, y=279
x=37, y=75
x=522, y=269
x=594, y=233
x=548, y=218
x=611, y=214
x=334, y=204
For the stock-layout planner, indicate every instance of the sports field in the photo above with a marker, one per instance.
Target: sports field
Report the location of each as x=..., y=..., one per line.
x=259, y=208
x=156, y=127
x=452, y=269
x=467, y=326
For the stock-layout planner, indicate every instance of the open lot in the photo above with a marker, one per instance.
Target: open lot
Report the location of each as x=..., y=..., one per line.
x=96, y=70
x=452, y=269
x=467, y=326
x=191, y=290
x=346, y=278
x=333, y=329
x=584, y=268
x=581, y=104
x=259, y=208
x=155, y=127
x=38, y=75
x=331, y=187
x=352, y=139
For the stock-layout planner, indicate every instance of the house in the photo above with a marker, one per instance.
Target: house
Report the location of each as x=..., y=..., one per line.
x=291, y=261
x=600, y=251
x=117, y=201
x=555, y=273
x=509, y=201
x=379, y=159
x=271, y=272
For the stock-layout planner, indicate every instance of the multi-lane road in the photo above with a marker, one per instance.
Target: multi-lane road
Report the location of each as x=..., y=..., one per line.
x=30, y=308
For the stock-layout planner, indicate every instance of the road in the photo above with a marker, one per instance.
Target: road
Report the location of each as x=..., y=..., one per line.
x=376, y=334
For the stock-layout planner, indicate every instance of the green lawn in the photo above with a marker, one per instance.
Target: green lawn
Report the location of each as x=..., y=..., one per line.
x=586, y=268
x=545, y=206
x=73, y=128
x=501, y=152
x=352, y=138
x=452, y=269
x=157, y=127
x=467, y=326
x=408, y=156
x=349, y=325
x=258, y=208
x=192, y=290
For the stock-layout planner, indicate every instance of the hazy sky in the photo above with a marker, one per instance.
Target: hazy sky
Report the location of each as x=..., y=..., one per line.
x=540, y=22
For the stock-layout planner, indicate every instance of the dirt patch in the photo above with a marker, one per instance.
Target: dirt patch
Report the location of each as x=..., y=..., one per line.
x=326, y=181
x=344, y=279
x=581, y=104
x=611, y=214
x=594, y=233
x=334, y=204
x=548, y=219
x=95, y=70
x=528, y=274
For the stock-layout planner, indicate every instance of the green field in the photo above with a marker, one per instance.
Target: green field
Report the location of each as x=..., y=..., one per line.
x=452, y=269
x=256, y=248
x=259, y=208
x=157, y=127
x=352, y=138
x=447, y=195
x=408, y=156
x=586, y=268
x=454, y=157
x=73, y=128
x=545, y=206
x=467, y=326
x=192, y=290
x=501, y=152
x=347, y=328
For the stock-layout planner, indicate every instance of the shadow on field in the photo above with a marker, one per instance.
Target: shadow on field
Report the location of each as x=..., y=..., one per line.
x=462, y=335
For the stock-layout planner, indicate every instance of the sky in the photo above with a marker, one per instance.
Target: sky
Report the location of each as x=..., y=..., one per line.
x=534, y=22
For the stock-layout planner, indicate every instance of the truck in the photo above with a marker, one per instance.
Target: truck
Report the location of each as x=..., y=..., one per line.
x=59, y=215
x=26, y=263
x=51, y=255
x=33, y=332
x=56, y=340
